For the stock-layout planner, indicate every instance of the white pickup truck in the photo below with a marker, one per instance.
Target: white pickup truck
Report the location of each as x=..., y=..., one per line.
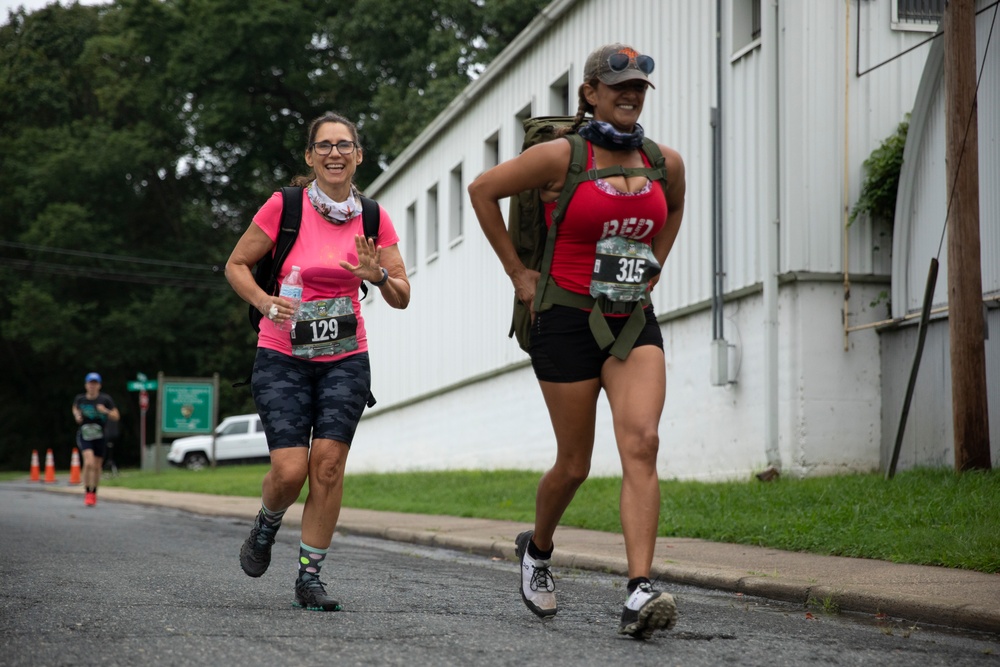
x=238, y=439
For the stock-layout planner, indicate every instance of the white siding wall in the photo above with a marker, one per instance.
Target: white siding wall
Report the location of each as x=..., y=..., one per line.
x=922, y=206
x=462, y=299
x=453, y=391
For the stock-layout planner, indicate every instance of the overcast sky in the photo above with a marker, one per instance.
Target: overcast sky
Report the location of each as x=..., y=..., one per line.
x=32, y=5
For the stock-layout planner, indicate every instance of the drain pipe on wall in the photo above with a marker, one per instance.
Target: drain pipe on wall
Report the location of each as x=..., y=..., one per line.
x=771, y=125
x=720, y=349
x=845, y=245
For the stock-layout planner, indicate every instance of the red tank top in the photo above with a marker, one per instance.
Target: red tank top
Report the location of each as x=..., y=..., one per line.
x=594, y=214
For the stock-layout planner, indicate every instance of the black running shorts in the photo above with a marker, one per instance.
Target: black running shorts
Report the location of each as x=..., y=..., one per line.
x=563, y=348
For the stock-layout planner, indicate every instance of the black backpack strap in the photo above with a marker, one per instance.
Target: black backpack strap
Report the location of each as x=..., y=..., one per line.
x=370, y=219
x=268, y=266
x=291, y=220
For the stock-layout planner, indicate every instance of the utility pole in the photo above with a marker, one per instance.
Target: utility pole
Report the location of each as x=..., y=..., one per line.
x=965, y=283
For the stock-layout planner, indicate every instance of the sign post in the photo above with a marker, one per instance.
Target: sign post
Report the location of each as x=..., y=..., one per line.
x=142, y=384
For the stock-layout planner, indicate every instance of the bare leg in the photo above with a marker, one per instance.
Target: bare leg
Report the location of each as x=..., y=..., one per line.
x=572, y=409
x=283, y=482
x=326, y=491
x=91, y=473
x=636, y=390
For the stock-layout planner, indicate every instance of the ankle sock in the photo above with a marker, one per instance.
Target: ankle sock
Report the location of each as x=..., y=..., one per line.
x=310, y=559
x=634, y=583
x=537, y=553
x=270, y=519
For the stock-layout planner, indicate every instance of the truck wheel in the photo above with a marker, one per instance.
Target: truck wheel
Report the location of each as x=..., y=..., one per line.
x=195, y=461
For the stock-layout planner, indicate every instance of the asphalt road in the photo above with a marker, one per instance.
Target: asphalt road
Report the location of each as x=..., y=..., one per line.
x=124, y=584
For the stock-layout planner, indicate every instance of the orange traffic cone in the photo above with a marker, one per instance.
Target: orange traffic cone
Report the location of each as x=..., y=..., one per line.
x=50, y=466
x=74, y=467
x=36, y=473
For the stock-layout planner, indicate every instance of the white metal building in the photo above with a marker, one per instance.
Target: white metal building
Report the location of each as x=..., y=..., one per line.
x=768, y=378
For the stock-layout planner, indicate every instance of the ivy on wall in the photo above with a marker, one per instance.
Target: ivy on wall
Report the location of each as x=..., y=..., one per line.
x=878, y=192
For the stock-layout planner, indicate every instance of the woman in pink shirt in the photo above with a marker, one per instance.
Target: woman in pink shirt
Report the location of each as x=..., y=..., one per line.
x=311, y=378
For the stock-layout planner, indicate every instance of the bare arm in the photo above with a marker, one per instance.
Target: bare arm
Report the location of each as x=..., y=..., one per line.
x=543, y=167
x=111, y=413
x=253, y=245
x=371, y=260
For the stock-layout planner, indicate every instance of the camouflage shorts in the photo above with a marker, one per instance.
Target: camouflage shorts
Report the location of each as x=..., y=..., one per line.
x=295, y=396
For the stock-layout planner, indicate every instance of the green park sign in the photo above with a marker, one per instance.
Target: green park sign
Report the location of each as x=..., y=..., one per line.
x=187, y=407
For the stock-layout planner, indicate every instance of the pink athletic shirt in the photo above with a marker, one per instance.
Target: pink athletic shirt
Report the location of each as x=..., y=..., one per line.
x=594, y=214
x=317, y=252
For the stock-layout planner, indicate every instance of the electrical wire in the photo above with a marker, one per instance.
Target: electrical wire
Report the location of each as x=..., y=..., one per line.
x=968, y=124
x=215, y=268
x=857, y=45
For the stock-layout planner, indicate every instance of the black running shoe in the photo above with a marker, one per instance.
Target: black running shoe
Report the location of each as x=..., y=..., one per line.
x=538, y=588
x=310, y=594
x=255, y=554
x=647, y=610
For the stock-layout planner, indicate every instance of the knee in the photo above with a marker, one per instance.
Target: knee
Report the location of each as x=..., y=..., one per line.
x=572, y=474
x=643, y=448
x=287, y=476
x=327, y=473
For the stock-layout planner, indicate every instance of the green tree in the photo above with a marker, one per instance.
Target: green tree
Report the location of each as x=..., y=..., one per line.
x=138, y=138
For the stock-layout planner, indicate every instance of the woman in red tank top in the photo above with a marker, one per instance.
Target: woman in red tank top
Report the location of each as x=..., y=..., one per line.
x=614, y=236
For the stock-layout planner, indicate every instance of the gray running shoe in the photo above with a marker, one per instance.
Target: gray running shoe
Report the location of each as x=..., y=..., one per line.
x=255, y=554
x=538, y=588
x=647, y=610
x=310, y=594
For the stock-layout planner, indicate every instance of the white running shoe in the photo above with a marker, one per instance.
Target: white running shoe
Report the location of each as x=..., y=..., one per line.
x=538, y=589
x=647, y=610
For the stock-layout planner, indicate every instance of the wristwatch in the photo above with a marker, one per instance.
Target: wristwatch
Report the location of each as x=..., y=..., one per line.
x=384, y=280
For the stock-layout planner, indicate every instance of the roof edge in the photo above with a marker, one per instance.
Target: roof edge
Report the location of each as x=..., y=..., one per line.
x=527, y=37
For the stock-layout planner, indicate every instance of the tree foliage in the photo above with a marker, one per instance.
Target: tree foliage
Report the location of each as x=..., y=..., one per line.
x=138, y=138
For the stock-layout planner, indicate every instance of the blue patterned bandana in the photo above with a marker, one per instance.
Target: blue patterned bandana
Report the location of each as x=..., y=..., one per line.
x=606, y=136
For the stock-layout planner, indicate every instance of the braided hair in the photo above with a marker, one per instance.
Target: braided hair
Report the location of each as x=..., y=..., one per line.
x=583, y=108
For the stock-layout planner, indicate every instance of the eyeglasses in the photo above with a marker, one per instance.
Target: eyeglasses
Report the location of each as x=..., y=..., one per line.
x=324, y=148
x=618, y=62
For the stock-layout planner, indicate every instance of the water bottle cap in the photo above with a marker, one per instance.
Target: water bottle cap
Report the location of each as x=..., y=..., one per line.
x=294, y=268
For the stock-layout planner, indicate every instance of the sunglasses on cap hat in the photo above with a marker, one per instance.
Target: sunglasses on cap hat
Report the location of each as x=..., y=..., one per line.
x=618, y=62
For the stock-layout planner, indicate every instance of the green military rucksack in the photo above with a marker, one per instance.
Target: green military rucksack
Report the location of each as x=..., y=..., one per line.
x=534, y=241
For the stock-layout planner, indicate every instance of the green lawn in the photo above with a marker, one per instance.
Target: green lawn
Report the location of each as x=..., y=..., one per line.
x=929, y=517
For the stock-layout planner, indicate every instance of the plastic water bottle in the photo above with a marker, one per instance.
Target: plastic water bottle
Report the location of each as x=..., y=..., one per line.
x=291, y=289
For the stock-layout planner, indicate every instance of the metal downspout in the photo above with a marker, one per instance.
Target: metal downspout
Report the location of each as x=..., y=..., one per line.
x=770, y=36
x=720, y=350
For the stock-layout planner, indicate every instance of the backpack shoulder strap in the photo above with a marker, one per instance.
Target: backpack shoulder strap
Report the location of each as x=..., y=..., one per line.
x=370, y=217
x=575, y=174
x=291, y=220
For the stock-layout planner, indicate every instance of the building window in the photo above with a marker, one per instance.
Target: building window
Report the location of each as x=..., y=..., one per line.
x=922, y=15
x=432, y=223
x=559, y=104
x=456, y=205
x=491, y=151
x=746, y=26
x=410, y=248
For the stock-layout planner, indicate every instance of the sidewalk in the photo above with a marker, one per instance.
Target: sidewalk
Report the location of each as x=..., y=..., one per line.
x=916, y=593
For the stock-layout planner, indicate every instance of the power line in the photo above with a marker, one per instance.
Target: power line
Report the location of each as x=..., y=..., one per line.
x=215, y=268
x=160, y=279
x=857, y=45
